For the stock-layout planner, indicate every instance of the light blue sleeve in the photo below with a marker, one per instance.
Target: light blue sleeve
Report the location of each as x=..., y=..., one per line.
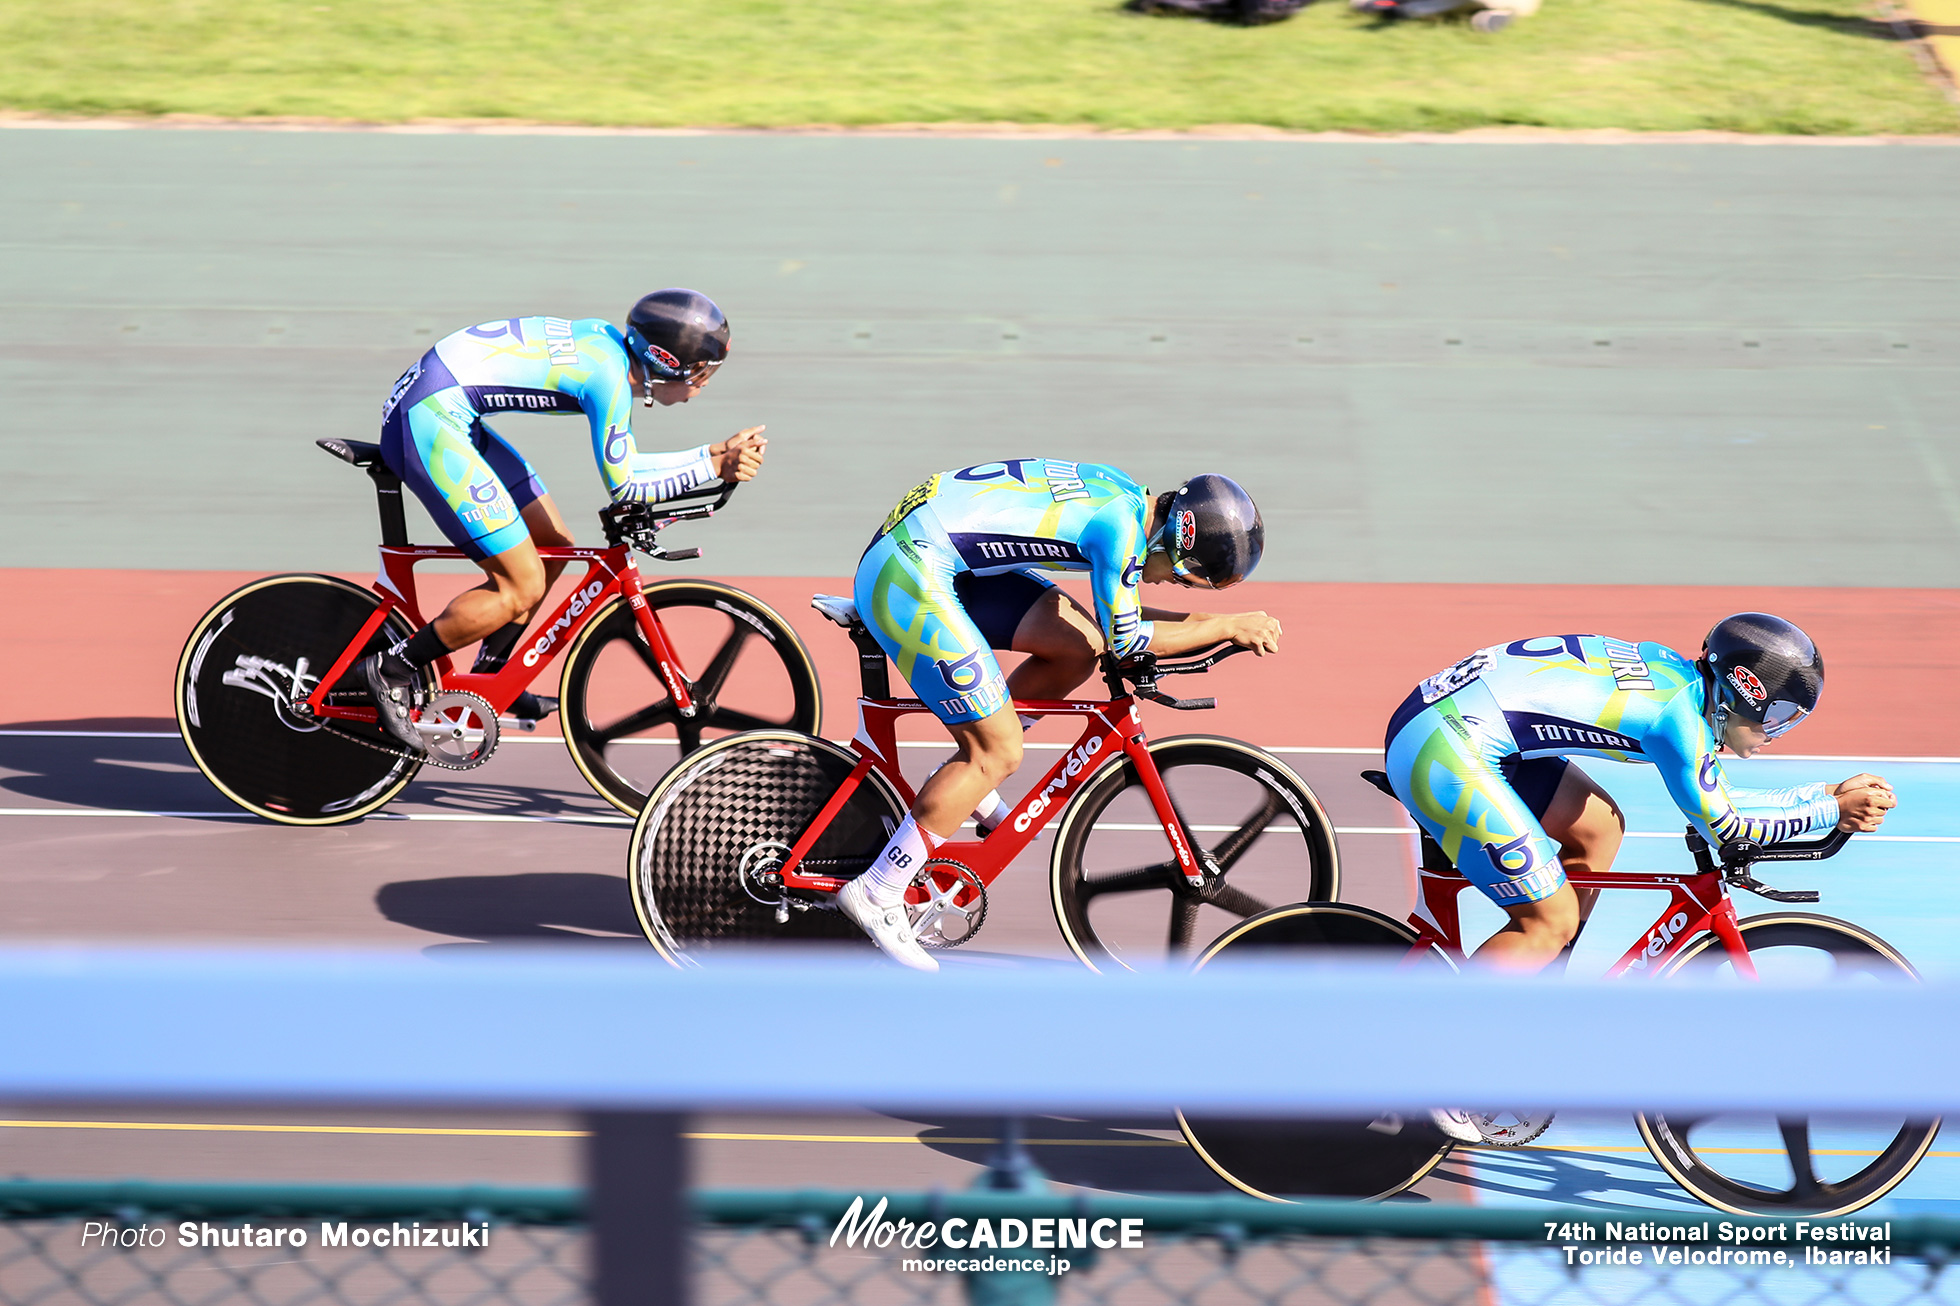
x=1114, y=545
x=1682, y=747
x=606, y=394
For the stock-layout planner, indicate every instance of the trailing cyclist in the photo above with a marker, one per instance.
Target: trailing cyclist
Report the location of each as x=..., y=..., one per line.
x=1479, y=754
x=486, y=497
x=954, y=573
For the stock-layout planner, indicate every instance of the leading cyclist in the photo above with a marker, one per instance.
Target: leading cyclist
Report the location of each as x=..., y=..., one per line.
x=953, y=573
x=487, y=499
x=1478, y=753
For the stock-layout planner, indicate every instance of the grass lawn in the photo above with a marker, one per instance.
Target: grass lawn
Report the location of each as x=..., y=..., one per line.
x=1809, y=66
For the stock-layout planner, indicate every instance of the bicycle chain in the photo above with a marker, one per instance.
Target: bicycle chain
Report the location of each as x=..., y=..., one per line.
x=392, y=750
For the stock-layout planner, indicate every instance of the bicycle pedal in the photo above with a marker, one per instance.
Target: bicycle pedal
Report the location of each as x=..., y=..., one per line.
x=517, y=723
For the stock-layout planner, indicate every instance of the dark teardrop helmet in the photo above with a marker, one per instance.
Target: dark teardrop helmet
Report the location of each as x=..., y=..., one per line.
x=1212, y=532
x=679, y=335
x=1762, y=669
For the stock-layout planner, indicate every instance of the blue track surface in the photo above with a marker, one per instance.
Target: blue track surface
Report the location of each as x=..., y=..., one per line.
x=1896, y=884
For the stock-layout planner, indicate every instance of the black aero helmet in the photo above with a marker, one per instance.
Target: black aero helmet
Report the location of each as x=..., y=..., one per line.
x=1212, y=531
x=679, y=335
x=1762, y=669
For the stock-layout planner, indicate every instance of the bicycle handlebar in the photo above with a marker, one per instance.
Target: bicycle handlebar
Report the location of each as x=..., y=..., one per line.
x=638, y=524
x=1143, y=670
x=1739, y=856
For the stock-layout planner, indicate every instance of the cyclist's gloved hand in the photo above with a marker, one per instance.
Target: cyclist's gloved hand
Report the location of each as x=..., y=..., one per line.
x=739, y=457
x=1863, y=801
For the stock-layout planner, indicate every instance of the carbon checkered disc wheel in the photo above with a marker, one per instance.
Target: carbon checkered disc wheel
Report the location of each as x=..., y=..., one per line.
x=716, y=826
x=1814, y=1165
x=245, y=662
x=1285, y=1158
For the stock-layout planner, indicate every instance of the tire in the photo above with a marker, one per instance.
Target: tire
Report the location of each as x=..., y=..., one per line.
x=732, y=801
x=1287, y=1158
x=1224, y=789
x=618, y=719
x=237, y=669
x=1882, y=1152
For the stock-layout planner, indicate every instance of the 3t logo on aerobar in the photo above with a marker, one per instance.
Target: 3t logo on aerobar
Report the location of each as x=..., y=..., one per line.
x=580, y=602
x=1077, y=759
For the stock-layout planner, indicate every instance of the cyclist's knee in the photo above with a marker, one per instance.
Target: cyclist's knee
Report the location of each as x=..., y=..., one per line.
x=992, y=745
x=1550, y=923
x=518, y=577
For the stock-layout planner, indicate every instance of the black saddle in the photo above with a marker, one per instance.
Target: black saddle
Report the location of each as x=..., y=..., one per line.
x=358, y=452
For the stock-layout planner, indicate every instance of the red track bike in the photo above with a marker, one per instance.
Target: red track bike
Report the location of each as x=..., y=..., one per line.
x=274, y=714
x=1749, y=1165
x=1158, y=846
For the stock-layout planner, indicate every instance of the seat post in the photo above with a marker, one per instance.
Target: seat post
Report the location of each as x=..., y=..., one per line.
x=874, y=673
x=388, y=498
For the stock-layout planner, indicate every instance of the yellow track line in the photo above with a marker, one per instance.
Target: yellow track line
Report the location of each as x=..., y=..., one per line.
x=220, y=1128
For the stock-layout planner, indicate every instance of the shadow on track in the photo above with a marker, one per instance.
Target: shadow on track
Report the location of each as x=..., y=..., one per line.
x=1100, y=1153
x=567, y=906
x=1568, y=1178
x=149, y=774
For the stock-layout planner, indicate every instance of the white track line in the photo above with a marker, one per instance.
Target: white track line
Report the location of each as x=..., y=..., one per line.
x=501, y=818
x=927, y=743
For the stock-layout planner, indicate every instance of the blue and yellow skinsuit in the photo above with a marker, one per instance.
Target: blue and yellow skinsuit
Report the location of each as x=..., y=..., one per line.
x=474, y=484
x=950, y=573
x=1476, y=752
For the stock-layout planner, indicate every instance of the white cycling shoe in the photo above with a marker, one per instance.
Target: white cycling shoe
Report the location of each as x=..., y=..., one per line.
x=1458, y=1126
x=889, y=927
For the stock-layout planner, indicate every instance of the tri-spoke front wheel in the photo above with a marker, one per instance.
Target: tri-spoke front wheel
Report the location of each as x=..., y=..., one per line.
x=745, y=669
x=1264, y=839
x=1817, y=1165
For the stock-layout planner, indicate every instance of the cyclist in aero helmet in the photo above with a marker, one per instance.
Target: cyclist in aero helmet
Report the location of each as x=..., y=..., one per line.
x=954, y=573
x=1479, y=754
x=490, y=502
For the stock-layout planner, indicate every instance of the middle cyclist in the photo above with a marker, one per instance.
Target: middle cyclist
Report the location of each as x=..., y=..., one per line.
x=951, y=575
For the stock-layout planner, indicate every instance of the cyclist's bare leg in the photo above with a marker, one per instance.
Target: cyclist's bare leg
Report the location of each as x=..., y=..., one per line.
x=548, y=531
x=1538, y=932
x=1062, y=642
x=514, y=585
x=1589, y=827
x=989, y=750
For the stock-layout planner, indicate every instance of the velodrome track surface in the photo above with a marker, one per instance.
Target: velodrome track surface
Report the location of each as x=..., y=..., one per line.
x=112, y=833
x=1482, y=390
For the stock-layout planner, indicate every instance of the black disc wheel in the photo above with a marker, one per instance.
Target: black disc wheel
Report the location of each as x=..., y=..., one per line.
x=1281, y=1159
x=1817, y=1165
x=744, y=666
x=246, y=663
x=1117, y=891
x=719, y=824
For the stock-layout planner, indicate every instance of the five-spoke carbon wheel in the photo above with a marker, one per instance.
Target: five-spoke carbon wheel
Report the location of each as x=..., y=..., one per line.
x=1117, y=891
x=1285, y=1158
x=1819, y=1165
x=717, y=826
x=247, y=661
x=746, y=669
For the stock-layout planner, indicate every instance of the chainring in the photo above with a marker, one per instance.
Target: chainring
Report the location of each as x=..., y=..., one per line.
x=459, y=730
x=941, y=919
x=1510, y=1128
